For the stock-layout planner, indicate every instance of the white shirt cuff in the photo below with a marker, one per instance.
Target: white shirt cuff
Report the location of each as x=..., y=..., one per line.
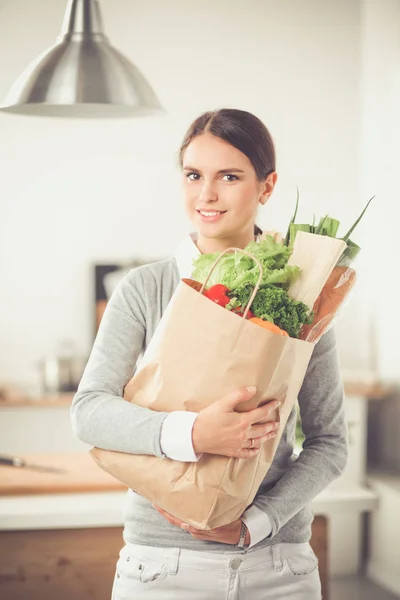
x=258, y=523
x=176, y=436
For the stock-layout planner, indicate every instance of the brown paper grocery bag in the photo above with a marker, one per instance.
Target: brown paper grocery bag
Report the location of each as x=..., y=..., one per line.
x=200, y=352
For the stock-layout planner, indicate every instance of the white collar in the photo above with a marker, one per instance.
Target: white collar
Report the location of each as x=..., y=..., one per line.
x=185, y=254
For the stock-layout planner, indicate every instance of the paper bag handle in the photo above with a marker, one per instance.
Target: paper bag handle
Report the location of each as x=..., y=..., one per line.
x=259, y=265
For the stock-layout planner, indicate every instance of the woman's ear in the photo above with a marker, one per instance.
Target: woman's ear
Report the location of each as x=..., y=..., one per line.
x=268, y=187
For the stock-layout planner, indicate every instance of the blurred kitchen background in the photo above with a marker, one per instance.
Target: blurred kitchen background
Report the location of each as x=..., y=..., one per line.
x=82, y=200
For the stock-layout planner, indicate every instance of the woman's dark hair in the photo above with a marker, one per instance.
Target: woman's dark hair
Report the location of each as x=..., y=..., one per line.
x=242, y=130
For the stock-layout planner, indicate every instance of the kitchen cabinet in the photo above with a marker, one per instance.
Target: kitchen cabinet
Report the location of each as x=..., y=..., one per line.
x=60, y=534
x=62, y=564
x=384, y=531
x=79, y=564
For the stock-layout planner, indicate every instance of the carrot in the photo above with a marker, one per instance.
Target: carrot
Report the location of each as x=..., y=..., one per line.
x=328, y=303
x=269, y=325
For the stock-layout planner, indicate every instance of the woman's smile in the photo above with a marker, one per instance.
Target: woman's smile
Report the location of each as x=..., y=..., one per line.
x=211, y=216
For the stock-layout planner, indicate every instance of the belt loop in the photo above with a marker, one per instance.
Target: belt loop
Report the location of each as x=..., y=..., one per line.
x=276, y=557
x=173, y=560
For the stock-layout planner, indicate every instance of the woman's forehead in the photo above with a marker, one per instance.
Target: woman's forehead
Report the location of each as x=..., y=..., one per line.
x=209, y=153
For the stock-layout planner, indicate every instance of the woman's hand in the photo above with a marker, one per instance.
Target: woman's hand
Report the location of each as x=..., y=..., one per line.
x=219, y=429
x=228, y=534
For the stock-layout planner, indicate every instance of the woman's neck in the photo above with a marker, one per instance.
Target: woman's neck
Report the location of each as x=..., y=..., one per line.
x=211, y=245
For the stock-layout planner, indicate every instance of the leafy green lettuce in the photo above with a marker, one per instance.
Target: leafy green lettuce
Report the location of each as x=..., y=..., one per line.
x=236, y=269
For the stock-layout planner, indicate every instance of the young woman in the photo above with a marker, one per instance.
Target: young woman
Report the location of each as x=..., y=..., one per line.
x=228, y=170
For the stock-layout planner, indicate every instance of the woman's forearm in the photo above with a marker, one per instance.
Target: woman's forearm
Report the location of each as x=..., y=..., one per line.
x=99, y=414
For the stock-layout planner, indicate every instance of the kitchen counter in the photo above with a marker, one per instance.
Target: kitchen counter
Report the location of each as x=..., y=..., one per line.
x=62, y=511
x=105, y=509
x=86, y=496
x=375, y=390
x=81, y=474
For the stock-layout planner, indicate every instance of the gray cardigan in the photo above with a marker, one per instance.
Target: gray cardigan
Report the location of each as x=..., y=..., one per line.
x=102, y=418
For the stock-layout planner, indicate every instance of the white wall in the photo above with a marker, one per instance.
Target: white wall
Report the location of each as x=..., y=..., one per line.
x=380, y=152
x=74, y=193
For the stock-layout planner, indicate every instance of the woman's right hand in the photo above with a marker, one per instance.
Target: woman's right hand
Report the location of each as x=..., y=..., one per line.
x=219, y=429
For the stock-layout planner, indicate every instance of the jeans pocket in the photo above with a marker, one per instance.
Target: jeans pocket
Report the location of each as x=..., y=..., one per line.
x=303, y=562
x=137, y=569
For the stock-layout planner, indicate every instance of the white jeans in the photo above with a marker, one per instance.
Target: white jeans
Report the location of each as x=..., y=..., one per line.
x=277, y=572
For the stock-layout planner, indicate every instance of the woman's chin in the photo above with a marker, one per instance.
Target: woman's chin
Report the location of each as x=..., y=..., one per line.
x=211, y=231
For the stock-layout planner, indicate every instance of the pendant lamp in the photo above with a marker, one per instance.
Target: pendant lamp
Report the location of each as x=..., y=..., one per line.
x=82, y=75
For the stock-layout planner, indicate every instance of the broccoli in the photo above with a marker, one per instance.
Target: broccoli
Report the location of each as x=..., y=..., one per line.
x=272, y=303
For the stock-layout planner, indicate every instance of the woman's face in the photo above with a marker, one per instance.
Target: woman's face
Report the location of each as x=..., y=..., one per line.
x=221, y=191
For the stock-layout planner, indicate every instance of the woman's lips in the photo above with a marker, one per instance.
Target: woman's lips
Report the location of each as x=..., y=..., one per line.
x=211, y=216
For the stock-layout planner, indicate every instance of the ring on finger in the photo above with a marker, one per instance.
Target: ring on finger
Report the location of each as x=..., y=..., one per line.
x=252, y=444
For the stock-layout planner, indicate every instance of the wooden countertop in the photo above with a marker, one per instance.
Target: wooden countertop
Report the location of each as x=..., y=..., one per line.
x=369, y=391
x=81, y=475
x=48, y=400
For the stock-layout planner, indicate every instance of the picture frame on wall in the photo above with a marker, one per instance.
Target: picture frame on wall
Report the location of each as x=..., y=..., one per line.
x=102, y=273
x=106, y=277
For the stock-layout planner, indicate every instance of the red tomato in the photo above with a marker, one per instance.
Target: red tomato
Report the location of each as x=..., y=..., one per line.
x=218, y=293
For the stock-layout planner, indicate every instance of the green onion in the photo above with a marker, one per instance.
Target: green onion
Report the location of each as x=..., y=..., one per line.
x=330, y=227
x=320, y=228
x=312, y=228
x=294, y=228
x=327, y=226
x=287, y=238
x=349, y=254
x=352, y=228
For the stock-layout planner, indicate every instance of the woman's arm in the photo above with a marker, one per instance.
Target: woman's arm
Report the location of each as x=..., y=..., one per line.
x=324, y=452
x=99, y=414
x=101, y=417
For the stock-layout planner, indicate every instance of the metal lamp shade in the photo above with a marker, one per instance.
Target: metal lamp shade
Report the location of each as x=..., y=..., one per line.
x=82, y=75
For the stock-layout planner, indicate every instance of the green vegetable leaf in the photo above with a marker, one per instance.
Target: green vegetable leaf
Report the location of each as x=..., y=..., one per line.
x=234, y=303
x=294, y=228
x=321, y=224
x=352, y=228
x=237, y=269
x=331, y=227
x=202, y=266
x=287, y=238
x=274, y=304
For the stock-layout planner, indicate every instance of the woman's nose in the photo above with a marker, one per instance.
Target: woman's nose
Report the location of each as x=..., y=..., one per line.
x=208, y=193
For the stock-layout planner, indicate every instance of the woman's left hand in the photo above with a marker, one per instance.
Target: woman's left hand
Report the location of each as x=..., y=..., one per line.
x=228, y=534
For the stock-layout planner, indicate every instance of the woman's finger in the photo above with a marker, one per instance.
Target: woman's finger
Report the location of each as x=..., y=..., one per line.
x=263, y=413
x=210, y=534
x=258, y=431
x=194, y=531
x=249, y=452
x=170, y=518
x=203, y=535
x=198, y=536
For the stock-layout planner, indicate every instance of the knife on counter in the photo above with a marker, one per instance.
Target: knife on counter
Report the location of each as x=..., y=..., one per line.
x=15, y=461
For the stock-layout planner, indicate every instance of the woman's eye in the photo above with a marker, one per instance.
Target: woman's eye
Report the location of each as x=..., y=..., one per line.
x=231, y=177
x=193, y=176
